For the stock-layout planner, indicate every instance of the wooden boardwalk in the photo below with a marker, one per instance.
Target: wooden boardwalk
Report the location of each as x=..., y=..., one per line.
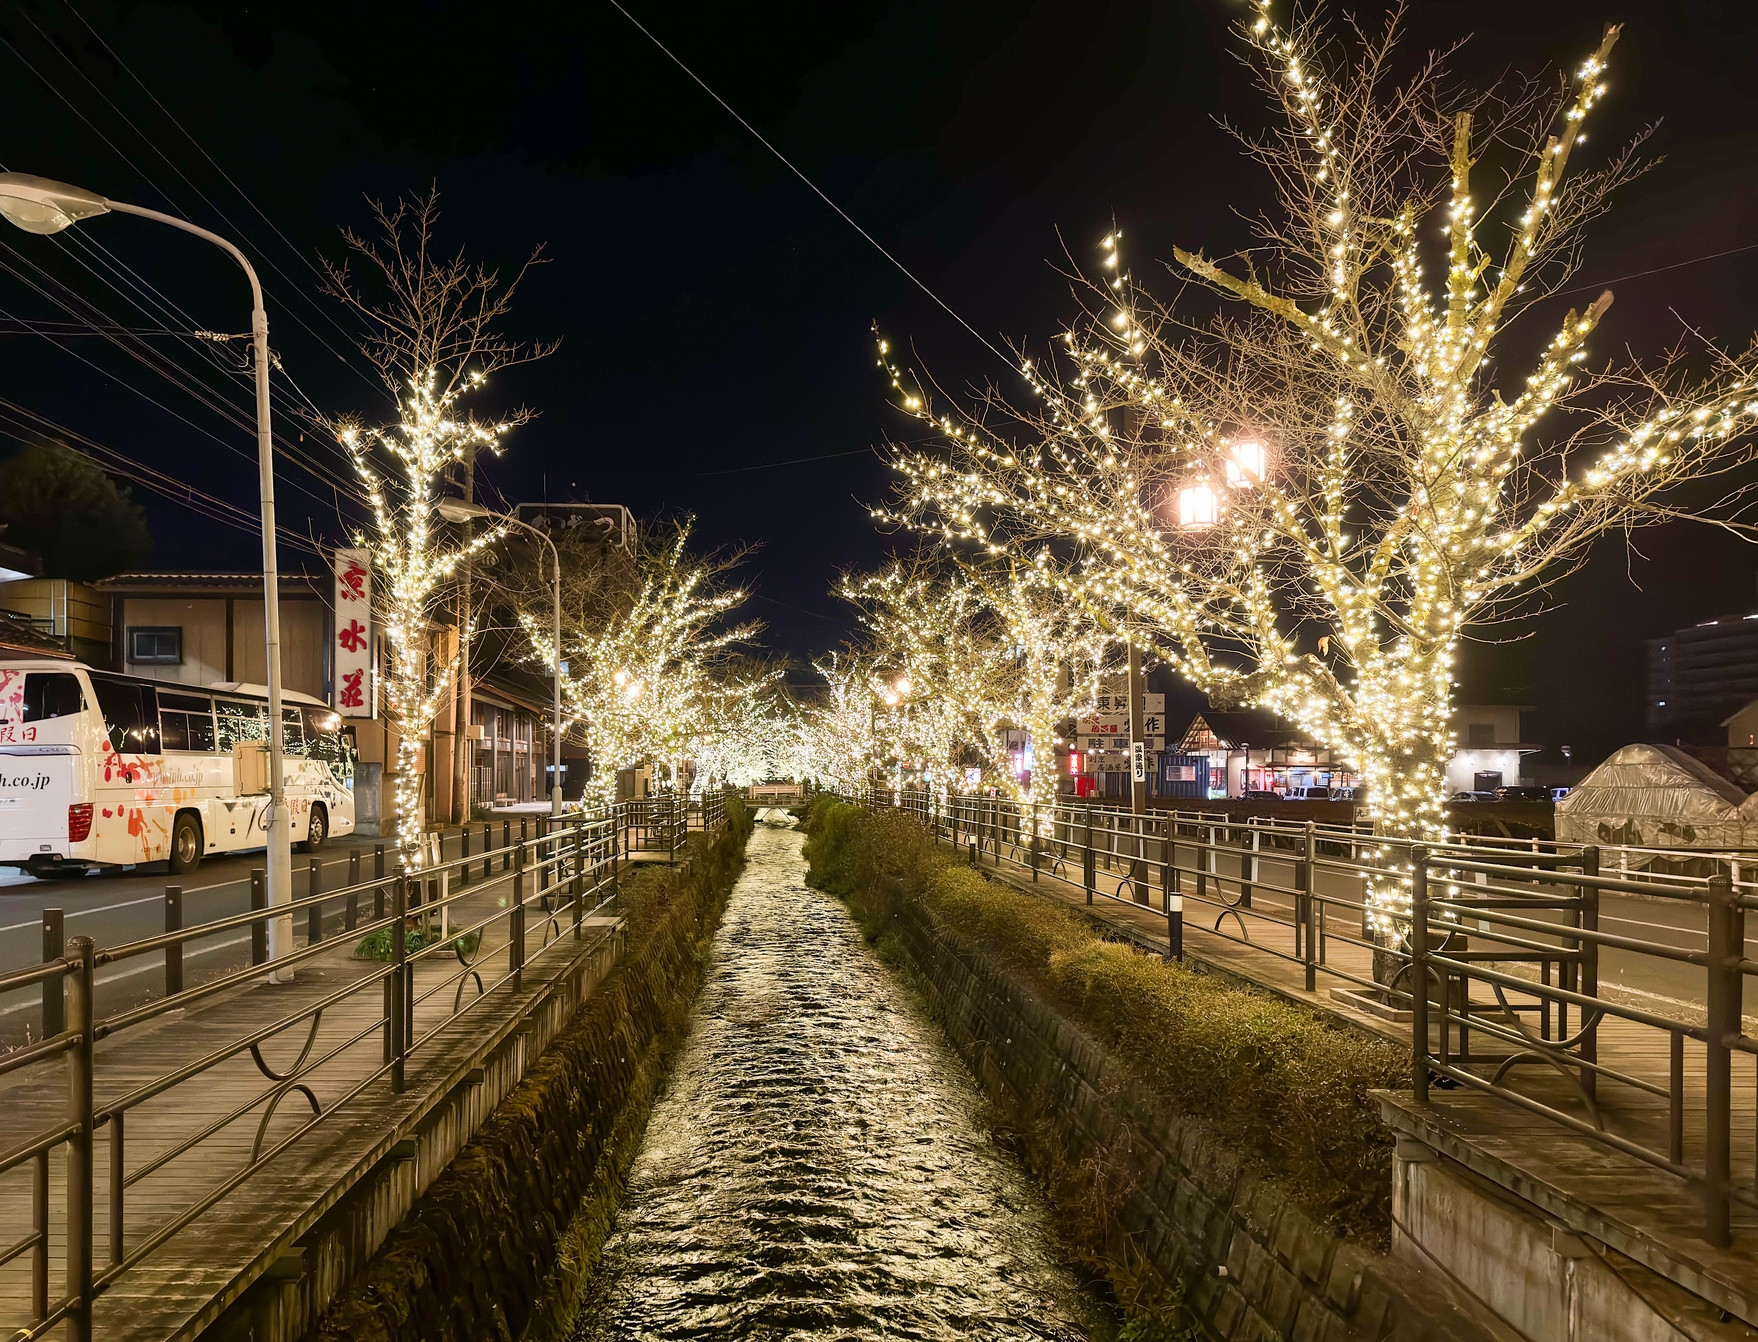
x=1645, y=1212
x=181, y=1286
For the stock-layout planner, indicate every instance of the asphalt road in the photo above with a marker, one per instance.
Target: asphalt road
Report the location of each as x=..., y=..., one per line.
x=114, y=909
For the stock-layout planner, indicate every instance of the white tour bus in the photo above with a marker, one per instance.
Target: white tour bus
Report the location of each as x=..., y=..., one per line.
x=104, y=770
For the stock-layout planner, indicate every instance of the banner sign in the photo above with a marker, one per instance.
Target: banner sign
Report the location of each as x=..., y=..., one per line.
x=353, y=650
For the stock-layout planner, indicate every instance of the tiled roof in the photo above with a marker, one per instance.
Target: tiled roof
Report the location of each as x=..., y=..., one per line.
x=213, y=582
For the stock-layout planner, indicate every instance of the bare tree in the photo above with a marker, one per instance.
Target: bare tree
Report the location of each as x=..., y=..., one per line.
x=433, y=332
x=1308, y=499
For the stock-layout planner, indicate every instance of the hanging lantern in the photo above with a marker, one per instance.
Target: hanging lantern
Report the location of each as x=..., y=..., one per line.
x=1197, y=507
x=1247, y=464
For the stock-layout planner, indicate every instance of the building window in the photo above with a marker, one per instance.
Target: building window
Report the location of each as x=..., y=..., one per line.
x=1480, y=734
x=161, y=644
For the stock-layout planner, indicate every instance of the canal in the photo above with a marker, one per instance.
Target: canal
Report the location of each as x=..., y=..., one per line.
x=818, y=1164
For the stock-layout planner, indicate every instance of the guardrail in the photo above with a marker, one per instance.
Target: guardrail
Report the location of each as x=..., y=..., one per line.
x=1505, y=934
x=474, y=915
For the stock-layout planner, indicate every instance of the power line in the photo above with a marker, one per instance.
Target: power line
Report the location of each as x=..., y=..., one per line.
x=35, y=426
x=787, y=163
x=1636, y=275
x=153, y=145
x=797, y=461
x=71, y=303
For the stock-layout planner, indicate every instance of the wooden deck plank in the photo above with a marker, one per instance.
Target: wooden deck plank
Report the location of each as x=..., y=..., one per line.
x=181, y=1277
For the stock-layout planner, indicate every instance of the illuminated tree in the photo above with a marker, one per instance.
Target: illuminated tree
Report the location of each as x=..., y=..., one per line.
x=941, y=676
x=646, y=669
x=835, y=736
x=1309, y=497
x=1058, y=650
x=432, y=333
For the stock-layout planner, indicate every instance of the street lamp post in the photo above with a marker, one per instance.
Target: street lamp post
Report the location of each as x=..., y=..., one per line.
x=457, y=510
x=38, y=205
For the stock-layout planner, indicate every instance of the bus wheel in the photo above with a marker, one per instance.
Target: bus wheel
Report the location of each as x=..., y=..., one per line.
x=319, y=830
x=185, y=844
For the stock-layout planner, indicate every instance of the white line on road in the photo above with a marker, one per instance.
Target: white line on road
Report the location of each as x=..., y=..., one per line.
x=130, y=973
x=147, y=899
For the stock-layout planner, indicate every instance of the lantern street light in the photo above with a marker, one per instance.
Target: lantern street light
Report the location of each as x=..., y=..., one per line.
x=1247, y=464
x=1197, y=507
x=39, y=205
x=457, y=510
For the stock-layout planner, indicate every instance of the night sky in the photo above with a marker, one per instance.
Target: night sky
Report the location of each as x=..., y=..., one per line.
x=714, y=313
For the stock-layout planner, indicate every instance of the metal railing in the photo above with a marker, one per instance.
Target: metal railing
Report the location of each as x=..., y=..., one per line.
x=1505, y=934
x=454, y=933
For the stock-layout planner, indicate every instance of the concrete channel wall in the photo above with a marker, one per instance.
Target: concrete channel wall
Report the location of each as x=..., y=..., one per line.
x=1250, y=1264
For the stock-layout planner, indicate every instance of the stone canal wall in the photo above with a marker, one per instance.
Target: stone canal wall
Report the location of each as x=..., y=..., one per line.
x=499, y=1243
x=1177, y=1215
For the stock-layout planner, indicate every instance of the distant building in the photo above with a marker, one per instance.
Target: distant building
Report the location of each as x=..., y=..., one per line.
x=1487, y=747
x=1697, y=677
x=1257, y=751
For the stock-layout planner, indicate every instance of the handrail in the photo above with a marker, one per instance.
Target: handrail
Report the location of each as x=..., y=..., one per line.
x=560, y=869
x=1489, y=983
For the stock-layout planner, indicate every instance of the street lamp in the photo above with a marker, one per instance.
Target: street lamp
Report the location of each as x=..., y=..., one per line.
x=38, y=205
x=457, y=510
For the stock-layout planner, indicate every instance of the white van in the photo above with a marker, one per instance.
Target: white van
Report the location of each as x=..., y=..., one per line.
x=99, y=769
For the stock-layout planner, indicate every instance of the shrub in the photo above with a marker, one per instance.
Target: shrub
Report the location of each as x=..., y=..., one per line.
x=1282, y=1086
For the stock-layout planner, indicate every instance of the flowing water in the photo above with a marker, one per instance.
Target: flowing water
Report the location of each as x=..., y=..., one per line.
x=817, y=1166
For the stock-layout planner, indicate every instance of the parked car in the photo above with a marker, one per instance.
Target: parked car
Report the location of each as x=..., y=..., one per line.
x=1261, y=794
x=1522, y=794
x=1472, y=796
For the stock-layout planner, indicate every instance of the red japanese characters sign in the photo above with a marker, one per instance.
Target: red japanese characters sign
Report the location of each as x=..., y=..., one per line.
x=352, y=651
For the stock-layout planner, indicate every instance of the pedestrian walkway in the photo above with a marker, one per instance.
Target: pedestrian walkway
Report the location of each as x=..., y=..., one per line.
x=224, y=1130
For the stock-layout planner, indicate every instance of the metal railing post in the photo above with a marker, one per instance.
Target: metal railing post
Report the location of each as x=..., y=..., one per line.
x=78, y=1248
x=396, y=1023
x=55, y=987
x=314, y=916
x=1089, y=867
x=351, y=913
x=1726, y=947
x=173, y=952
x=1170, y=900
x=1419, y=974
x=1248, y=861
x=516, y=925
x=118, y=1185
x=578, y=888
x=1035, y=859
x=378, y=874
x=1307, y=881
x=259, y=903
x=1589, y=950
x=40, y=1228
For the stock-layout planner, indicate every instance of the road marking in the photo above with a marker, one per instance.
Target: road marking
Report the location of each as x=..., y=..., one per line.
x=149, y=899
x=157, y=968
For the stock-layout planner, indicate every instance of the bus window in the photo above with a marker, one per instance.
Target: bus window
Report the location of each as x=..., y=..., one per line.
x=292, y=732
x=241, y=721
x=51, y=694
x=327, y=741
x=131, y=714
x=186, y=721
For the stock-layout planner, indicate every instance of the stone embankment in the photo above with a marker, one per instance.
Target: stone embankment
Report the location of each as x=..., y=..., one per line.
x=499, y=1244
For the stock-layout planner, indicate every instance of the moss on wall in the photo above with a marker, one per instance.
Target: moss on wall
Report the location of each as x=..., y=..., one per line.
x=499, y=1244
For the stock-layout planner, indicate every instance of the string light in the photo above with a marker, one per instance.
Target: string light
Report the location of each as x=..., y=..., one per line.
x=415, y=567
x=1409, y=497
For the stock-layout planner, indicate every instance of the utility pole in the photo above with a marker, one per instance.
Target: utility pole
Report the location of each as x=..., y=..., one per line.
x=461, y=680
